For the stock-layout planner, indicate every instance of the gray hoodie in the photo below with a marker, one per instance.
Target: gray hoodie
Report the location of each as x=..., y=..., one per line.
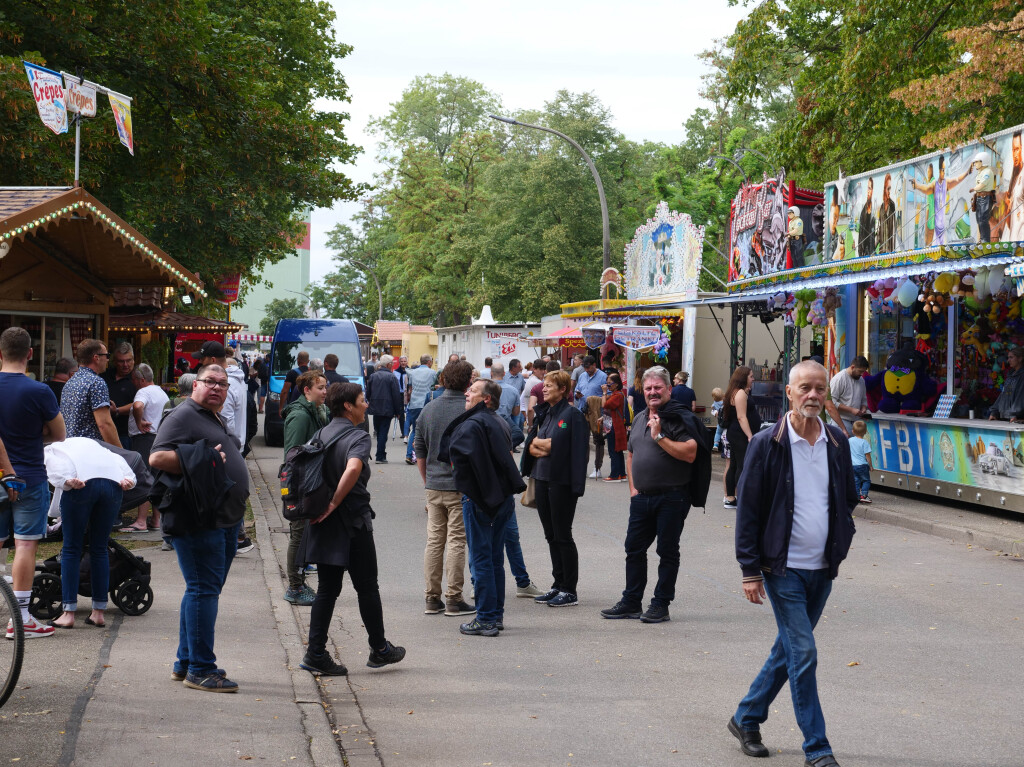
x=430, y=426
x=234, y=410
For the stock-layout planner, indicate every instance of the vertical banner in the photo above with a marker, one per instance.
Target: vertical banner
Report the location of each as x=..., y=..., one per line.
x=48, y=91
x=123, y=118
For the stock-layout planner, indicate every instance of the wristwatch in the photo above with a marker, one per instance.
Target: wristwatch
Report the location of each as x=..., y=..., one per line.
x=659, y=438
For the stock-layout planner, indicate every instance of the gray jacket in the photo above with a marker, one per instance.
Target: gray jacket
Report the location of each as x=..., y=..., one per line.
x=431, y=424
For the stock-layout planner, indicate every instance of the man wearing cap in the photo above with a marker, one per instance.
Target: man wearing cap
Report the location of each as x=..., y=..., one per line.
x=984, y=191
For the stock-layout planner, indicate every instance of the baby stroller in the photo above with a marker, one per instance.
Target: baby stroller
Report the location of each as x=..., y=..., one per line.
x=129, y=574
x=129, y=583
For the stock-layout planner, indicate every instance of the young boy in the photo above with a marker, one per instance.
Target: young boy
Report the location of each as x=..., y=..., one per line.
x=860, y=452
x=718, y=397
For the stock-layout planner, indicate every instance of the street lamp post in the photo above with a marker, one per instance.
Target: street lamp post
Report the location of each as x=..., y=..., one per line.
x=710, y=164
x=311, y=304
x=606, y=229
x=380, y=293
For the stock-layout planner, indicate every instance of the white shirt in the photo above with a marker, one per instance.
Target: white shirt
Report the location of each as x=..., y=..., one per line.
x=234, y=410
x=524, y=397
x=153, y=399
x=810, y=500
x=83, y=458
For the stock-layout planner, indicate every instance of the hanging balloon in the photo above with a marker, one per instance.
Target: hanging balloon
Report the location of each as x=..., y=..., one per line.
x=906, y=294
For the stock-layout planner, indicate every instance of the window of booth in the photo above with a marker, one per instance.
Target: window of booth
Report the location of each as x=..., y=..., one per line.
x=53, y=337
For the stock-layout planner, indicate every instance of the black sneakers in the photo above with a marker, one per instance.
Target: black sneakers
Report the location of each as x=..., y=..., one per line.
x=564, y=599
x=323, y=664
x=621, y=610
x=434, y=606
x=476, y=628
x=547, y=596
x=655, y=614
x=390, y=654
x=750, y=740
x=458, y=607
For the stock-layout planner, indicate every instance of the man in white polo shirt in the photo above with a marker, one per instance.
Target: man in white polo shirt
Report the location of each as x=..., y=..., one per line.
x=790, y=539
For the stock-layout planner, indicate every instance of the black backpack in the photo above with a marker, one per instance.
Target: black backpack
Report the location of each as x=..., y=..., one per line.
x=304, y=494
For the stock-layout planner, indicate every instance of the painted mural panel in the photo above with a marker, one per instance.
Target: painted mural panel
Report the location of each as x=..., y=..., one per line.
x=664, y=256
x=950, y=452
x=974, y=194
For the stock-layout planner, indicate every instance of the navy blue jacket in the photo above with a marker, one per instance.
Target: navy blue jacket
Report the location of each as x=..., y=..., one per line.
x=383, y=394
x=764, y=514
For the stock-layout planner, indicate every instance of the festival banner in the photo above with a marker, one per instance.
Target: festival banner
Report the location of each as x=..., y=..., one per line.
x=665, y=255
x=81, y=98
x=48, y=91
x=228, y=287
x=123, y=118
x=636, y=338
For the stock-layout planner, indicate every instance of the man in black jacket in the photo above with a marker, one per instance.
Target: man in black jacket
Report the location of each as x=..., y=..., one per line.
x=665, y=478
x=385, y=399
x=791, y=537
x=479, y=447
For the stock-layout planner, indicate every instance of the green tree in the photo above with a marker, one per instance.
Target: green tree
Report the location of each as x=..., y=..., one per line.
x=280, y=309
x=229, y=140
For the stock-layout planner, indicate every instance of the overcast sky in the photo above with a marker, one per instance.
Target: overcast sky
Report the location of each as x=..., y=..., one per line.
x=640, y=59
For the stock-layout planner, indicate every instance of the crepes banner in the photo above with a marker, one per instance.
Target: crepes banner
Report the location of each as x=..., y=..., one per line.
x=48, y=91
x=123, y=119
x=636, y=338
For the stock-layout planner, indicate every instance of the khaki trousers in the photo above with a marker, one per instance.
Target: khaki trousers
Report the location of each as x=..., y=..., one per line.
x=445, y=526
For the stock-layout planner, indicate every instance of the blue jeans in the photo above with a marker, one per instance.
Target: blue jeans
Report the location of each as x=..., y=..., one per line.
x=651, y=517
x=617, y=459
x=381, y=428
x=486, y=539
x=862, y=478
x=516, y=563
x=797, y=598
x=410, y=428
x=204, y=558
x=93, y=510
x=718, y=436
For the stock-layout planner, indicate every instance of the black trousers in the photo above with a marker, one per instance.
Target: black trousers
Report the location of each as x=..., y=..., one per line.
x=556, y=505
x=381, y=427
x=737, y=454
x=362, y=569
x=654, y=517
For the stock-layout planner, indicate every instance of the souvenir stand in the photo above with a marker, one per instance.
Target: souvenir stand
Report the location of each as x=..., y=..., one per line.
x=922, y=286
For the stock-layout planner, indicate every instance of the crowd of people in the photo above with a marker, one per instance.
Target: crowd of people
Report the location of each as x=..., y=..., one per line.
x=464, y=428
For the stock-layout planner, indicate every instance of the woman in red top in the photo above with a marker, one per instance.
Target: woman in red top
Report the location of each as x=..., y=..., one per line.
x=613, y=404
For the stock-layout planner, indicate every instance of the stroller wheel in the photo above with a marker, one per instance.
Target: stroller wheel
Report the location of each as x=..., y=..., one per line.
x=46, y=602
x=133, y=597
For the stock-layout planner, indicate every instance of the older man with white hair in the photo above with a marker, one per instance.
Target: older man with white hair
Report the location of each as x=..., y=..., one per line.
x=386, y=402
x=791, y=537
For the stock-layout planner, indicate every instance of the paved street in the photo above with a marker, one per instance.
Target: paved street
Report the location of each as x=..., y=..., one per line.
x=919, y=653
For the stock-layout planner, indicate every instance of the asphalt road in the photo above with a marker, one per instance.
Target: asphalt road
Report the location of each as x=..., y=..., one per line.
x=919, y=652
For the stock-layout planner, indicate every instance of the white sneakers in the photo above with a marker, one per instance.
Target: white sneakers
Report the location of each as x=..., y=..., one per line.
x=32, y=629
x=595, y=474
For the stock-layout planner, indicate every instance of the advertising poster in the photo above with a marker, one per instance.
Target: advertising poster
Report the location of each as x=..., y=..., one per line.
x=665, y=256
x=48, y=91
x=81, y=99
x=228, y=287
x=774, y=227
x=123, y=119
x=636, y=338
x=976, y=457
x=973, y=194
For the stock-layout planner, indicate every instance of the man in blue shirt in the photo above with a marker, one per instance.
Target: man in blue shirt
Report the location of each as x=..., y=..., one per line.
x=420, y=380
x=28, y=416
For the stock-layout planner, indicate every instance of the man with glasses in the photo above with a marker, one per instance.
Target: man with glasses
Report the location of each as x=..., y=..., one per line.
x=85, y=401
x=121, y=386
x=204, y=555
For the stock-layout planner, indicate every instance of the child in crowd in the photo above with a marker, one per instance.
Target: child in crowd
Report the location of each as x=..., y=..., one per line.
x=718, y=397
x=860, y=452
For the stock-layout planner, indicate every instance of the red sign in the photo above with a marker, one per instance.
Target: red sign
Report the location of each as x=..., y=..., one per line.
x=228, y=287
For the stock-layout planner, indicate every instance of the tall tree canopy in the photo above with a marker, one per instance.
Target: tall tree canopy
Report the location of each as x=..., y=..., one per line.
x=229, y=144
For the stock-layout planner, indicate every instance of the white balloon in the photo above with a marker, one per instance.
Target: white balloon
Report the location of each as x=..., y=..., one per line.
x=906, y=294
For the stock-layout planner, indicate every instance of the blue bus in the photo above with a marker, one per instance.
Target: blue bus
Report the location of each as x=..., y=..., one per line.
x=319, y=338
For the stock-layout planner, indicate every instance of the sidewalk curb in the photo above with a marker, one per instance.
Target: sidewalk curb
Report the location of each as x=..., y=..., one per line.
x=330, y=744
x=956, y=534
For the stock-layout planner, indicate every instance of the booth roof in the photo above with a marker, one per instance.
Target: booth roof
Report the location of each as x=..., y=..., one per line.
x=170, y=322
x=72, y=226
x=941, y=258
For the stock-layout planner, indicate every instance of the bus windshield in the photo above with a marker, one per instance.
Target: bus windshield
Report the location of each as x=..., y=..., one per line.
x=286, y=352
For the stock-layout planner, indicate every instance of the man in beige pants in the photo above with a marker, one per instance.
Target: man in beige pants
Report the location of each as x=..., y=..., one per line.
x=445, y=527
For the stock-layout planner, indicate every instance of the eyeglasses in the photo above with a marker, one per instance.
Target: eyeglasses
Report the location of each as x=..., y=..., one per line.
x=102, y=354
x=213, y=384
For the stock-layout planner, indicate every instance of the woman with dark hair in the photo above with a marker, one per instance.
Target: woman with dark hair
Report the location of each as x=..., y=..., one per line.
x=341, y=538
x=741, y=421
x=556, y=456
x=613, y=404
x=635, y=393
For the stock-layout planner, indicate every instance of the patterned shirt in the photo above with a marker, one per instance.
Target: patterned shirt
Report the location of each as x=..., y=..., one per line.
x=83, y=393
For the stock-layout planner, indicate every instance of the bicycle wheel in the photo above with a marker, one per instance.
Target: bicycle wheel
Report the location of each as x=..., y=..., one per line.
x=12, y=649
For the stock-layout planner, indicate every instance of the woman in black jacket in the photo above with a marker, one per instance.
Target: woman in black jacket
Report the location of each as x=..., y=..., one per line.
x=341, y=538
x=556, y=455
x=741, y=422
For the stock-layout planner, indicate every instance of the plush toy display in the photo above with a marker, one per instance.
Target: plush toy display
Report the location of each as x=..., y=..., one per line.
x=905, y=385
x=804, y=299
